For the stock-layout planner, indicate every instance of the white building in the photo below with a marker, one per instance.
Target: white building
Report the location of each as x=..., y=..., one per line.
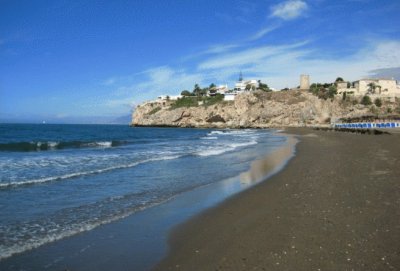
x=221, y=89
x=376, y=87
x=241, y=85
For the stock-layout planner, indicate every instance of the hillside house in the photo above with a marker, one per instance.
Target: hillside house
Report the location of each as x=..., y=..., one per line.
x=221, y=89
x=375, y=87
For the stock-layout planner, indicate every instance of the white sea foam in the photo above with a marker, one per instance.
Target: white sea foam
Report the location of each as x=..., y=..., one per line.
x=246, y=132
x=102, y=144
x=225, y=148
x=210, y=137
x=82, y=173
x=216, y=133
x=210, y=152
x=19, y=246
x=243, y=144
x=52, y=144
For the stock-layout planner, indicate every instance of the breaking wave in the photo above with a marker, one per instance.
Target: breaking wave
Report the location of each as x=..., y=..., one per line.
x=52, y=145
x=225, y=148
x=79, y=174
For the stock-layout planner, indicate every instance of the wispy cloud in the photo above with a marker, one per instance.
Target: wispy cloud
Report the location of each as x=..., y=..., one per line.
x=122, y=102
x=281, y=65
x=386, y=73
x=224, y=48
x=242, y=13
x=289, y=10
x=230, y=19
x=277, y=65
x=109, y=81
x=284, y=69
x=220, y=48
x=212, y=50
x=249, y=56
x=261, y=33
x=148, y=84
x=169, y=80
x=385, y=53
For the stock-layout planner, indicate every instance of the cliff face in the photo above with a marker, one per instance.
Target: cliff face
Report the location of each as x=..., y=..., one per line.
x=250, y=110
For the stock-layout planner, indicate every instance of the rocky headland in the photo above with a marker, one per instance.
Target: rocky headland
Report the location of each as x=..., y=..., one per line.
x=258, y=109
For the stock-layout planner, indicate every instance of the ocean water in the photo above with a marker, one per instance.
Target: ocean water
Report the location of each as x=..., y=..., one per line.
x=60, y=180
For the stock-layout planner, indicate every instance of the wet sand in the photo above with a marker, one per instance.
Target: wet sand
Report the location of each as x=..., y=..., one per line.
x=335, y=206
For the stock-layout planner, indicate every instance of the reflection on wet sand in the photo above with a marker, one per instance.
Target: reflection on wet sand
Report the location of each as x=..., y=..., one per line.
x=260, y=169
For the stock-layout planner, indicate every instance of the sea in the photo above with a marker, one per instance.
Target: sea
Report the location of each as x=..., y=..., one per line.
x=57, y=181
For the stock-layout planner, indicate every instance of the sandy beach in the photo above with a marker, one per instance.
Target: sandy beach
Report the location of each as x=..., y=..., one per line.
x=335, y=206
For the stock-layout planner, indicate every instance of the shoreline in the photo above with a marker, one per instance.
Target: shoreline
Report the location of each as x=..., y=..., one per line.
x=144, y=233
x=335, y=206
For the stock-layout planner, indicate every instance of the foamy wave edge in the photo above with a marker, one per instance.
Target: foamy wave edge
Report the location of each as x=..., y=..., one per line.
x=16, y=249
x=231, y=147
x=78, y=174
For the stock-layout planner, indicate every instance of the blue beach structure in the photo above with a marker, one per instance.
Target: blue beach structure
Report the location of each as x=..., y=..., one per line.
x=367, y=125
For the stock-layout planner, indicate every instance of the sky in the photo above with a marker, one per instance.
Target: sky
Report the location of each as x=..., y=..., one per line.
x=94, y=61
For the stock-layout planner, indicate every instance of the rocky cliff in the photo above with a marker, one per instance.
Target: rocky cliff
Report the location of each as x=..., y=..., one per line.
x=253, y=110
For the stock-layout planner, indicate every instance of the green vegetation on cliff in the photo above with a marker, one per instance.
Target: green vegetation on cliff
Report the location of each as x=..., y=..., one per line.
x=366, y=100
x=323, y=91
x=185, y=102
x=192, y=101
x=155, y=110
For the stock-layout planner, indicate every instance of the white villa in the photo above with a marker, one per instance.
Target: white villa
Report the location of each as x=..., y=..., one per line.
x=375, y=87
x=221, y=89
x=241, y=85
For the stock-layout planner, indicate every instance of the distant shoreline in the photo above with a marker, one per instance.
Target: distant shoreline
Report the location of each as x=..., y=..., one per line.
x=333, y=207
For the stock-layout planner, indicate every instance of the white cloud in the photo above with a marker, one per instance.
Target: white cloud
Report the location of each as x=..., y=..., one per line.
x=169, y=80
x=224, y=48
x=261, y=33
x=147, y=85
x=277, y=65
x=386, y=73
x=280, y=66
x=122, y=102
x=289, y=10
x=250, y=56
x=283, y=70
x=220, y=48
x=386, y=53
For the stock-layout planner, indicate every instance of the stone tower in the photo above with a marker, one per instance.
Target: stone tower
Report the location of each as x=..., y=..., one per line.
x=305, y=82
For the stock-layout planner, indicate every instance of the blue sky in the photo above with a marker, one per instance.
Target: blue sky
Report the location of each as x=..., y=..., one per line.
x=92, y=61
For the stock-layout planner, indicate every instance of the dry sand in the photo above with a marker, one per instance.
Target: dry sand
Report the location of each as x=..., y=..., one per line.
x=336, y=206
